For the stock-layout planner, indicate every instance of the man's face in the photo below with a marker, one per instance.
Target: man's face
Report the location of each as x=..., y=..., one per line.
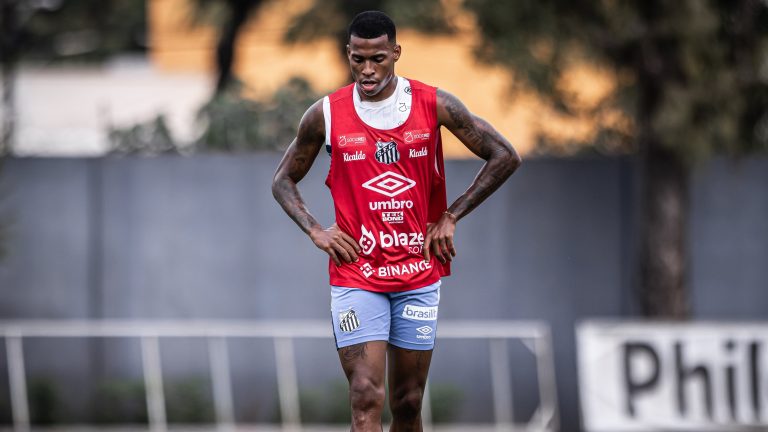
x=372, y=62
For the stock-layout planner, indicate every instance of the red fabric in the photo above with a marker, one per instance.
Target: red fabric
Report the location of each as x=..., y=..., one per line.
x=384, y=194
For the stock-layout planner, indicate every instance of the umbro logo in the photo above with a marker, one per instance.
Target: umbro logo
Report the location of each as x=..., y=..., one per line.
x=389, y=184
x=425, y=330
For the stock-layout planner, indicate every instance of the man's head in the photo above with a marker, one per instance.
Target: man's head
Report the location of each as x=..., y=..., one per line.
x=372, y=51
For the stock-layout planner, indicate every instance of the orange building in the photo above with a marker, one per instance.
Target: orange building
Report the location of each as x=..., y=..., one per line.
x=264, y=62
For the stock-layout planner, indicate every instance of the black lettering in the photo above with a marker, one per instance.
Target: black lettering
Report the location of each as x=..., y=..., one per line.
x=632, y=349
x=684, y=374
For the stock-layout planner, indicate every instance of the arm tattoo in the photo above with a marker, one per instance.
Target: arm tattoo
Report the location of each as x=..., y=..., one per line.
x=485, y=142
x=286, y=192
x=296, y=163
x=465, y=126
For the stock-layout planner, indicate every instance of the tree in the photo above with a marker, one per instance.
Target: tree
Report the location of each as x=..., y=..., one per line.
x=691, y=74
x=62, y=30
x=230, y=16
x=9, y=36
x=230, y=21
x=231, y=122
x=428, y=16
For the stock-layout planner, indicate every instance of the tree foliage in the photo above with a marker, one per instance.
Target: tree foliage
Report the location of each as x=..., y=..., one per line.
x=325, y=18
x=229, y=122
x=429, y=16
x=55, y=30
x=147, y=138
x=691, y=74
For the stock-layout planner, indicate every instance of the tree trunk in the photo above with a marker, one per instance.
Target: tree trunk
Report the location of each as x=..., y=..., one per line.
x=664, y=253
x=8, y=38
x=664, y=212
x=239, y=11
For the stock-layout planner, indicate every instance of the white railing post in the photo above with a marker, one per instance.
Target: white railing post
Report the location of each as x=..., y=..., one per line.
x=222, y=383
x=534, y=335
x=18, y=382
x=153, y=381
x=500, y=382
x=287, y=384
x=545, y=368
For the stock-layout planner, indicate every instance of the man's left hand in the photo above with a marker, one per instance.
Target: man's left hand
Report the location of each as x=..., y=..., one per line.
x=439, y=238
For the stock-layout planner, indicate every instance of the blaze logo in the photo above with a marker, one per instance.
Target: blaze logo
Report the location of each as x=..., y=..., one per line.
x=367, y=241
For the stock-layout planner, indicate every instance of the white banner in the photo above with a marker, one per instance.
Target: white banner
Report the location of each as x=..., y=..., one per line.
x=647, y=376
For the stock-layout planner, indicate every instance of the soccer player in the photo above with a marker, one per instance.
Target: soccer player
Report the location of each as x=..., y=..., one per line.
x=393, y=235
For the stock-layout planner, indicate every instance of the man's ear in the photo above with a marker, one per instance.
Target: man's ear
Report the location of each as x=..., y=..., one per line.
x=348, y=50
x=397, y=51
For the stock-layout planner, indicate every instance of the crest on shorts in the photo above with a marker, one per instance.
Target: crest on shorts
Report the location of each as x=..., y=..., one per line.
x=348, y=321
x=386, y=152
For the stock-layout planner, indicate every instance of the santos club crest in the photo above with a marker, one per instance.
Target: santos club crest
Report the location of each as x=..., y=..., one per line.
x=386, y=152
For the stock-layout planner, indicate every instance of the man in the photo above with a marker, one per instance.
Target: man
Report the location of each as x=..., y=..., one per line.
x=393, y=235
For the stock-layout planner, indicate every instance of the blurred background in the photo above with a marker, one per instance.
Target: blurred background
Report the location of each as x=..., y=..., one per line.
x=139, y=139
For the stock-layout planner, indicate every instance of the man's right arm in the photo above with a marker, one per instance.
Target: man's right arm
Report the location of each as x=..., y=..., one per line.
x=293, y=167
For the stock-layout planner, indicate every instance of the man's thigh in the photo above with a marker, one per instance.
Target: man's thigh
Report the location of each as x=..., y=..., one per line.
x=359, y=316
x=414, y=318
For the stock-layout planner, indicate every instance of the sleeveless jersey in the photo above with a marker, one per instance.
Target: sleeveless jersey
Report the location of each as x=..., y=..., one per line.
x=386, y=186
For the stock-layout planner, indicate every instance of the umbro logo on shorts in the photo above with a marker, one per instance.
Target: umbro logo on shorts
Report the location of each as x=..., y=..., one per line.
x=424, y=330
x=348, y=321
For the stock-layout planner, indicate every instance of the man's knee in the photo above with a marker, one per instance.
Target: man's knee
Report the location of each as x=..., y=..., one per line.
x=366, y=395
x=406, y=403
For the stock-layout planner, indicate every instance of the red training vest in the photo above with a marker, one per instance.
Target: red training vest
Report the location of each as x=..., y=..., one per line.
x=386, y=186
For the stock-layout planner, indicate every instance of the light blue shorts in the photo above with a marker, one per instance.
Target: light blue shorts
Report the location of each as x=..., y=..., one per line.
x=405, y=319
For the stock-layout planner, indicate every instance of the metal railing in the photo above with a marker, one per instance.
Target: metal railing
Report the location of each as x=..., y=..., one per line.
x=534, y=335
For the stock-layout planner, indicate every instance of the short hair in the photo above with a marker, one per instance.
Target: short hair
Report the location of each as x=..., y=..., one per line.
x=372, y=24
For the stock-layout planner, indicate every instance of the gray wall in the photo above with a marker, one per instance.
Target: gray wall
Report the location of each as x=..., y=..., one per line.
x=201, y=237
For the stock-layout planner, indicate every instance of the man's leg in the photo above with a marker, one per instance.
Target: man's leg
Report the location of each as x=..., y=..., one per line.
x=408, y=371
x=361, y=326
x=364, y=365
x=412, y=337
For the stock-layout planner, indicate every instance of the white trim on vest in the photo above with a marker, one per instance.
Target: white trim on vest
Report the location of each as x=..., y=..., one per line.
x=363, y=108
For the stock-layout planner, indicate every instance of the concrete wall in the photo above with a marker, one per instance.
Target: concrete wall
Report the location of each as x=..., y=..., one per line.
x=201, y=237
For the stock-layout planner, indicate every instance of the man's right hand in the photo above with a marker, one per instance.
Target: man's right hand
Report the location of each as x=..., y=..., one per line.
x=336, y=243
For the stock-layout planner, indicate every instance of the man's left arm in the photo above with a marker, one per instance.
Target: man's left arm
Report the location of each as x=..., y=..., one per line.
x=501, y=160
